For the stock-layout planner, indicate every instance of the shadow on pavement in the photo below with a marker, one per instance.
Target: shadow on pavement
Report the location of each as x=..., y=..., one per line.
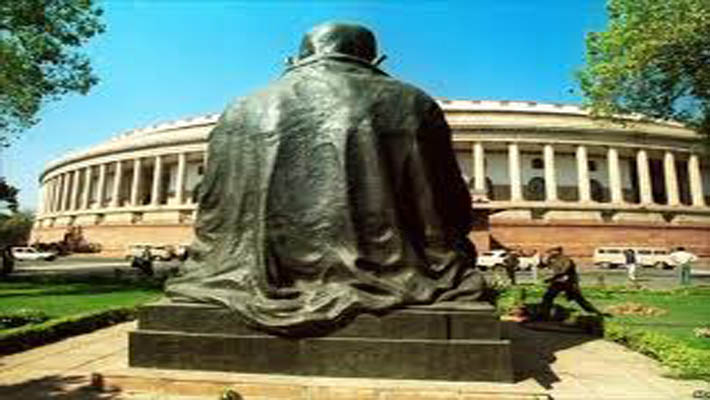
x=534, y=351
x=55, y=387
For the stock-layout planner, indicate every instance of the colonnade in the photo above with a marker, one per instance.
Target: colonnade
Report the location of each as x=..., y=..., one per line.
x=72, y=190
x=643, y=169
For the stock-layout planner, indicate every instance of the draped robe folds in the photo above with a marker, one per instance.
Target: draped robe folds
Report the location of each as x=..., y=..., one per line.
x=332, y=192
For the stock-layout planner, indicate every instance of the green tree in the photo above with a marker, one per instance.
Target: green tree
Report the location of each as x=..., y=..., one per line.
x=40, y=57
x=8, y=196
x=653, y=59
x=15, y=228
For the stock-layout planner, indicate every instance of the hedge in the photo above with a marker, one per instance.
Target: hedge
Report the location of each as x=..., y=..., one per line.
x=29, y=336
x=684, y=361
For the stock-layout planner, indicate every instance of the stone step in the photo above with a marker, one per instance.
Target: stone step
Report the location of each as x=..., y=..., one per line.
x=439, y=359
x=440, y=321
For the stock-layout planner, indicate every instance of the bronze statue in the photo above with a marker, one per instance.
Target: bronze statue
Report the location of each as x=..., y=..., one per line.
x=332, y=192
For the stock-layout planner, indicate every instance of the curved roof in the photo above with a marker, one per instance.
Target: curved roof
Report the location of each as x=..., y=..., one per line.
x=462, y=115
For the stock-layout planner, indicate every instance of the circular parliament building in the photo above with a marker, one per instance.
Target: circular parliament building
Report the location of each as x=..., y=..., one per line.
x=540, y=175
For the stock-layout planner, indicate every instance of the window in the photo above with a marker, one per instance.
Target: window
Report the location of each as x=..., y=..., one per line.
x=646, y=252
x=597, y=190
x=200, y=169
x=614, y=251
x=535, y=189
x=537, y=163
x=592, y=165
x=659, y=252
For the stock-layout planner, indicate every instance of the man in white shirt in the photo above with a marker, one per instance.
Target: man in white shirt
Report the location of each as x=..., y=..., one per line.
x=683, y=259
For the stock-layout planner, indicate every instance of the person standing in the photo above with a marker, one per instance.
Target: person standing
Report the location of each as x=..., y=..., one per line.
x=630, y=258
x=8, y=261
x=564, y=279
x=511, y=264
x=683, y=259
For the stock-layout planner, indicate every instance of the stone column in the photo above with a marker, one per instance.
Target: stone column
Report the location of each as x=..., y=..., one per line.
x=135, y=184
x=516, y=190
x=117, y=185
x=60, y=188
x=180, y=180
x=479, y=168
x=696, y=182
x=101, y=186
x=614, y=176
x=644, y=174
x=70, y=191
x=49, y=189
x=52, y=195
x=64, y=186
x=671, y=178
x=75, y=191
x=87, y=189
x=157, y=171
x=550, y=178
x=46, y=197
x=583, y=188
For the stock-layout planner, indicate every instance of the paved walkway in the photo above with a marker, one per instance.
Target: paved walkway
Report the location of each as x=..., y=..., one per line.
x=564, y=366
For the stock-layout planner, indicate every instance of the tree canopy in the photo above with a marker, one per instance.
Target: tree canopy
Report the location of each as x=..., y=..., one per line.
x=653, y=59
x=8, y=196
x=40, y=57
x=15, y=229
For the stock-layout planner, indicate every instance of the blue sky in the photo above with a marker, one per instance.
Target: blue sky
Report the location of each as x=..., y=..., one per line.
x=161, y=60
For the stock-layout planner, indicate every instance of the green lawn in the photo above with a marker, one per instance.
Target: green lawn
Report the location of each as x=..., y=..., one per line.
x=687, y=309
x=669, y=337
x=58, y=300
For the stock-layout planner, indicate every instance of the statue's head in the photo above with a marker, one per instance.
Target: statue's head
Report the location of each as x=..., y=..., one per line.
x=339, y=38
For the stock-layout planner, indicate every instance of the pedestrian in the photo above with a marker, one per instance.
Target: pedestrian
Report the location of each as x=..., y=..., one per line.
x=8, y=261
x=683, y=260
x=535, y=264
x=144, y=262
x=564, y=279
x=511, y=263
x=631, y=266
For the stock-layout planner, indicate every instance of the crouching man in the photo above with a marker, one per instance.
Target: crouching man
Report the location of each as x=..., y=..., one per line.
x=564, y=279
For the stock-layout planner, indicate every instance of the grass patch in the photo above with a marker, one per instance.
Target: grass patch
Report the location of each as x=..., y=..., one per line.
x=38, y=311
x=668, y=334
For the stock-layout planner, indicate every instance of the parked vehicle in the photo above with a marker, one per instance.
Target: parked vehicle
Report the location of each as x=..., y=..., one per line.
x=161, y=252
x=496, y=258
x=31, y=254
x=182, y=252
x=613, y=257
x=527, y=262
x=491, y=259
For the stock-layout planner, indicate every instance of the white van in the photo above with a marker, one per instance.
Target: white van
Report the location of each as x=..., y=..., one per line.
x=496, y=259
x=613, y=257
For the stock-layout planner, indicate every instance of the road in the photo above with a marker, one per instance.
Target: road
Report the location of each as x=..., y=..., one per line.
x=87, y=265
x=82, y=265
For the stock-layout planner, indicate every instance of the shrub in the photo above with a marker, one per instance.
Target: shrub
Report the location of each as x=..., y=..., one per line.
x=683, y=360
x=22, y=317
x=29, y=336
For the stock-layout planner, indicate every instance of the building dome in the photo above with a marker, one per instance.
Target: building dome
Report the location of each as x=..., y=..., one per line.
x=540, y=175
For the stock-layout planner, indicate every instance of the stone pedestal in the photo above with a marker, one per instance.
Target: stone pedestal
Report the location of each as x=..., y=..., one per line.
x=442, y=342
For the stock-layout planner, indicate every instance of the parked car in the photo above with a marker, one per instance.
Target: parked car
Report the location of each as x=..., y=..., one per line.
x=161, y=252
x=31, y=254
x=496, y=258
x=491, y=259
x=613, y=257
x=527, y=262
x=182, y=252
